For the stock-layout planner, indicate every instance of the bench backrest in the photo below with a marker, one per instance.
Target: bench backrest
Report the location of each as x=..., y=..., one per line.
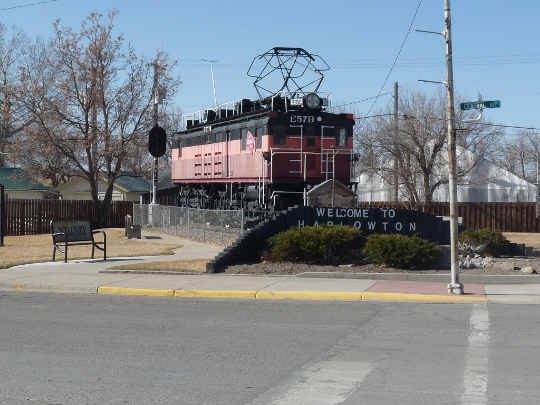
x=76, y=229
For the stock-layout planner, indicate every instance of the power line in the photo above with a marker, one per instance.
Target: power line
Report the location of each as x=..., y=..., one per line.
x=395, y=60
x=405, y=116
x=27, y=5
x=359, y=101
x=373, y=116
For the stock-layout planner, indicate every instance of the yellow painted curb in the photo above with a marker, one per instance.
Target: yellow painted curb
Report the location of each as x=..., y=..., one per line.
x=293, y=295
x=421, y=297
x=135, y=291
x=309, y=295
x=215, y=293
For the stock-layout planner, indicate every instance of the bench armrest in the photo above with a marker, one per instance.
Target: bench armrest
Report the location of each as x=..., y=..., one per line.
x=59, y=234
x=57, y=247
x=100, y=231
x=104, y=243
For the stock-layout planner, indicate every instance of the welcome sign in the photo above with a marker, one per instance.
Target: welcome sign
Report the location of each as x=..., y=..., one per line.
x=374, y=220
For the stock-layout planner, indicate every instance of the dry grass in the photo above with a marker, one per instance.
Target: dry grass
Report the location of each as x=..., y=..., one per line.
x=181, y=266
x=530, y=239
x=39, y=248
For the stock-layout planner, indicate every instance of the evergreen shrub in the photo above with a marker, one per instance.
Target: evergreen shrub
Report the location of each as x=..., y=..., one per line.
x=317, y=243
x=400, y=251
x=475, y=237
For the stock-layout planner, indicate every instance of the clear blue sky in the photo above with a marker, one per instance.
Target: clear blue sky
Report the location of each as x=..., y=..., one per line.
x=495, y=44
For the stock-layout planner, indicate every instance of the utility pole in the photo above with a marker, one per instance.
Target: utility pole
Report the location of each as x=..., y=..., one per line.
x=455, y=286
x=155, y=90
x=396, y=137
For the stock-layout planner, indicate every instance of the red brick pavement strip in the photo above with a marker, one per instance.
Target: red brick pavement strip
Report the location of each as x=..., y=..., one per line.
x=415, y=287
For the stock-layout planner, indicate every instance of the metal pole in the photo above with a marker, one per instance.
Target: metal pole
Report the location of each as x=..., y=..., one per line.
x=2, y=212
x=242, y=223
x=396, y=137
x=455, y=286
x=333, y=172
x=213, y=81
x=155, y=118
x=537, y=184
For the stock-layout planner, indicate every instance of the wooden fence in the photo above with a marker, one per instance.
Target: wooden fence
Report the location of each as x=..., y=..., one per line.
x=33, y=217
x=506, y=217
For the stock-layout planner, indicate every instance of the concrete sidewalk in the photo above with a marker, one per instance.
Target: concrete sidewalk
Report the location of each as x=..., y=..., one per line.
x=90, y=276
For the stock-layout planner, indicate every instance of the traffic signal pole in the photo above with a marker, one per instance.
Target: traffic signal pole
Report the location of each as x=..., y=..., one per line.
x=155, y=118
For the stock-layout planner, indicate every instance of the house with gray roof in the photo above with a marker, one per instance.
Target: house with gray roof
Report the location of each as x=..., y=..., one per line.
x=127, y=187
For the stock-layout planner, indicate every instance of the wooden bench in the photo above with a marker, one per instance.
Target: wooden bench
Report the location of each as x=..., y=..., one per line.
x=75, y=231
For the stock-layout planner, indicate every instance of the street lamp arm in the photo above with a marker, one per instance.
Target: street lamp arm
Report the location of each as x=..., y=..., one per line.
x=473, y=119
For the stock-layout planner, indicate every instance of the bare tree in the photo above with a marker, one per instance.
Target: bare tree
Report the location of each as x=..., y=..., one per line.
x=13, y=45
x=28, y=149
x=93, y=101
x=421, y=146
x=520, y=154
x=138, y=160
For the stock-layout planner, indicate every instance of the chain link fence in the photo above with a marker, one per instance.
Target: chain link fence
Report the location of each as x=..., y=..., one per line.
x=220, y=227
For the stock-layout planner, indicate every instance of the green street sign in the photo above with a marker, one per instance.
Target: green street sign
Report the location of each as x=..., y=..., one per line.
x=480, y=105
x=492, y=104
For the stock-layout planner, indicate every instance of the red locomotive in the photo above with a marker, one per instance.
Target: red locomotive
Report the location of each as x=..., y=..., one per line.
x=265, y=154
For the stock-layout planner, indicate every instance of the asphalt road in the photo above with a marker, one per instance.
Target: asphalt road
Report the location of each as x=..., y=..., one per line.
x=92, y=349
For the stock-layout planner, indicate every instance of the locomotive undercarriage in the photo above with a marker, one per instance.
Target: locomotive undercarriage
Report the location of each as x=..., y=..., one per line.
x=253, y=198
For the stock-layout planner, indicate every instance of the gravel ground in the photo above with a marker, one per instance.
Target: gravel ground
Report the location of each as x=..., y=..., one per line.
x=501, y=266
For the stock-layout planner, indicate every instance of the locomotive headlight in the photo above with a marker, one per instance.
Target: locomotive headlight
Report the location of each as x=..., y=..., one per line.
x=313, y=101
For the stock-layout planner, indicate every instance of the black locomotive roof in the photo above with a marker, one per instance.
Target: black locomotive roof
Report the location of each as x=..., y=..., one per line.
x=227, y=121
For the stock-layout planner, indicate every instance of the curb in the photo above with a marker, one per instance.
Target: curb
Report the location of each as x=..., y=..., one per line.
x=291, y=295
x=39, y=288
x=421, y=297
x=436, y=278
x=135, y=291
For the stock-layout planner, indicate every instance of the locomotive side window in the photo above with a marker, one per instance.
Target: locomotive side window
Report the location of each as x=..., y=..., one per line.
x=295, y=130
x=235, y=134
x=177, y=144
x=310, y=142
x=310, y=130
x=341, y=136
x=280, y=136
x=258, y=135
x=209, y=138
x=220, y=137
x=328, y=132
x=244, y=138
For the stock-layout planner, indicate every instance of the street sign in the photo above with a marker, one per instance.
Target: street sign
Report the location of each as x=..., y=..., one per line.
x=480, y=105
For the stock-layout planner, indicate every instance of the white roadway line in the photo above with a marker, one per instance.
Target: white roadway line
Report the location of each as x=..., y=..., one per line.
x=323, y=383
x=475, y=376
